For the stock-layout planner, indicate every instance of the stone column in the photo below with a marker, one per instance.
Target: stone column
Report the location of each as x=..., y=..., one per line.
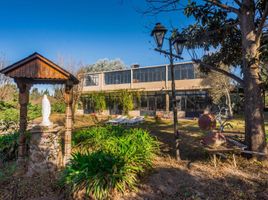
x=167, y=101
x=131, y=78
x=68, y=123
x=45, y=150
x=101, y=80
x=166, y=78
x=24, y=89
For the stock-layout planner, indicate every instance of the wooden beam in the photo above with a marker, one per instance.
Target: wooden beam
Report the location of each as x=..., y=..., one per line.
x=68, y=95
x=24, y=90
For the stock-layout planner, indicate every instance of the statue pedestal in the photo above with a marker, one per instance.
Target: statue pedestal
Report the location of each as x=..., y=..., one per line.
x=45, y=150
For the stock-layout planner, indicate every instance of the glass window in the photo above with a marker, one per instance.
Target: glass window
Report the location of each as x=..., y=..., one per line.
x=144, y=102
x=152, y=103
x=161, y=102
x=182, y=71
x=191, y=72
x=92, y=80
x=119, y=77
x=149, y=74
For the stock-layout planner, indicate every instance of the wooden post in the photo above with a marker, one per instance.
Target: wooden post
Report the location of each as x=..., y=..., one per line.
x=24, y=89
x=69, y=122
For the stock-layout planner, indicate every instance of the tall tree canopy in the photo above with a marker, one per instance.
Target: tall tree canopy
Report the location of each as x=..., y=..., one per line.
x=235, y=34
x=106, y=65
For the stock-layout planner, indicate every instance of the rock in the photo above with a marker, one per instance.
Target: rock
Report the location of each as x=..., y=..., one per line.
x=44, y=150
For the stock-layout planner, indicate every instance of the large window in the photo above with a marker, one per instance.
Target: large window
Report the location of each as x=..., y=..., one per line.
x=92, y=80
x=119, y=77
x=190, y=101
x=182, y=71
x=149, y=74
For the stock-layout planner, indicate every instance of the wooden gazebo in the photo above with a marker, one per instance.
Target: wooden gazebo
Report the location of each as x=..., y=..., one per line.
x=36, y=69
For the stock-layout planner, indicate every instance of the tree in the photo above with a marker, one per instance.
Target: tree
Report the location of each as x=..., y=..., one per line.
x=106, y=65
x=234, y=32
x=78, y=70
x=46, y=92
x=221, y=88
x=7, y=89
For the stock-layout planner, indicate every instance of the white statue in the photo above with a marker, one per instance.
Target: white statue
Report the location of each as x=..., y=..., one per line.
x=46, y=110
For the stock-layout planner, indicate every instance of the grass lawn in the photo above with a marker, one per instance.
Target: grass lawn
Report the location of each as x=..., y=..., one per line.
x=195, y=177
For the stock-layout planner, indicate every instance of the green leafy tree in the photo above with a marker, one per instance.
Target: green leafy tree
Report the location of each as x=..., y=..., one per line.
x=98, y=99
x=46, y=92
x=126, y=101
x=234, y=32
x=35, y=94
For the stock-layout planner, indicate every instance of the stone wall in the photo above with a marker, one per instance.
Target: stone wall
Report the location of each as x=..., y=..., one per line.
x=45, y=150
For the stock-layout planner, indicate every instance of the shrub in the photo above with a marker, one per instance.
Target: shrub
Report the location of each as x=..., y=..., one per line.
x=8, y=146
x=99, y=174
x=9, y=115
x=58, y=107
x=109, y=158
x=34, y=111
x=7, y=105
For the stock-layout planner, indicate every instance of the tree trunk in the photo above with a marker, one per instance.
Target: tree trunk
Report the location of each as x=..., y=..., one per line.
x=229, y=102
x=254, y=119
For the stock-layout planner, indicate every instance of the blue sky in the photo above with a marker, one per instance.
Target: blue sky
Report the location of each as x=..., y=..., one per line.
x=82, y=30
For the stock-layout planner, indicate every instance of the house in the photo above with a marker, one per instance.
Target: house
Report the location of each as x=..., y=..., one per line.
x=154, y=85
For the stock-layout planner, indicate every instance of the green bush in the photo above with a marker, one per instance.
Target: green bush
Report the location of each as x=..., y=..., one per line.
x=109, y=158
x=34, y=111
x=8, y=146
x=10, y=115
x=7, y=105
x=99, y=173
x=58, y=107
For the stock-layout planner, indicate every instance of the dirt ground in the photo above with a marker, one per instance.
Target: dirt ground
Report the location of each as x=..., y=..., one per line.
x=195, y=177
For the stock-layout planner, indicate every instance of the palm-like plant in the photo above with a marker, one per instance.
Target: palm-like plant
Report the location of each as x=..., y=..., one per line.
x=109, y=159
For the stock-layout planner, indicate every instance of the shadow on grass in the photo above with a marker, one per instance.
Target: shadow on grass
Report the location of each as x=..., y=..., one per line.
x=190, y=147
x=173, y=183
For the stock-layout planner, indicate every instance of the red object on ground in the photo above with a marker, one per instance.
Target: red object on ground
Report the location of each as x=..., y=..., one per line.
x=207, y=122
x=214, y=139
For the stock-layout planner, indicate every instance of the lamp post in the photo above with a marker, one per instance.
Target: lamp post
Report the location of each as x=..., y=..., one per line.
x=176, y=42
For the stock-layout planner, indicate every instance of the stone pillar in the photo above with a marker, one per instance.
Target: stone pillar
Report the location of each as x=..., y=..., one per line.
x=167, y=102
x=24, y=89
x=101, y=80
x=131, y=78
x=166, y=79
x=45, y=150
x=68, y=123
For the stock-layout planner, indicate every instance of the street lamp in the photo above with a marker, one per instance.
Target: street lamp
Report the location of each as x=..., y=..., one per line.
x=177, y=42
x=159, y=33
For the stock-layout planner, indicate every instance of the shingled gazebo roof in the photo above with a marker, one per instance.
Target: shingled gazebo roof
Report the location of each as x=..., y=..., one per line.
x=37, y=69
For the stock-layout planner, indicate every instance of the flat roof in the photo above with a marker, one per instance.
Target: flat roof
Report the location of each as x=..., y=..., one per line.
x=145, y=67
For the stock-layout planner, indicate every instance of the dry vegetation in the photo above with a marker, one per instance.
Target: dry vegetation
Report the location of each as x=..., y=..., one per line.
x=193, y=178
x=196, y=177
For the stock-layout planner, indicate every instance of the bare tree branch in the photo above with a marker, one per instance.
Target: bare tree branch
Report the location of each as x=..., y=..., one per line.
x=160, y=6
x=238, y=3
x=234, y=77
x=223, y=6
